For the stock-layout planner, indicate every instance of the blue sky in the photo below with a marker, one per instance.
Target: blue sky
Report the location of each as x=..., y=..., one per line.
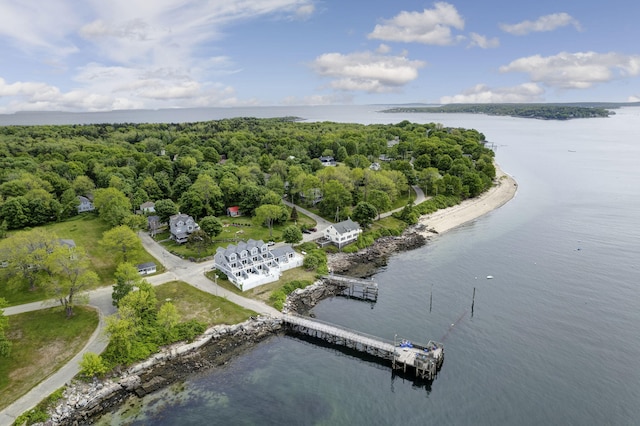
x=97, y=55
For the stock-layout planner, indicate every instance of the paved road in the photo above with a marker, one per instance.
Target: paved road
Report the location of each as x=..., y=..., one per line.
x=176, y=269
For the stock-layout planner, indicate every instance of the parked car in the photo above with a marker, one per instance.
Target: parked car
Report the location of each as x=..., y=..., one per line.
x=306, y=231
x=313, y=229
x=271, y=243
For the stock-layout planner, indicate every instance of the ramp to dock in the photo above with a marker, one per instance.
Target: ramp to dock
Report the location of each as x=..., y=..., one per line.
x=340, y=336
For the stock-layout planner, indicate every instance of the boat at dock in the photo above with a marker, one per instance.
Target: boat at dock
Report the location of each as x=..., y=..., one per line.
x=426, y=360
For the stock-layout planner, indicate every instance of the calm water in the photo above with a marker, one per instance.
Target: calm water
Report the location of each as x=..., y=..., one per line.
x=554, y=337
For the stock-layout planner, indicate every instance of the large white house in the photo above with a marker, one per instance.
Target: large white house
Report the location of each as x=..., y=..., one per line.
x=343, y=233
x=253, y=263
x=180, y=226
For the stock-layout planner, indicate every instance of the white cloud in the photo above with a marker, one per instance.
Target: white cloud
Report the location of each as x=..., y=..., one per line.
x=542, y=24
x=39, y=27
x=383, y=49
x=633, y=98
x=366, y=71
x=431, y=26
x=481, y=93
x=151, y=52
x=576, y=70
x=483, y=42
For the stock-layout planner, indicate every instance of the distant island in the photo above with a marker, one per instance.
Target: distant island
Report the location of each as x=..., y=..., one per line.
x=539, y=111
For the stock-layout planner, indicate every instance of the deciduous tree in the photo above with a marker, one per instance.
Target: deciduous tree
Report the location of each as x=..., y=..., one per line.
x=268, y=214
x=364, y=213
x=165, y=209
x=292, y=234
x=211, y=225
x=127, y=277
x=71, y=276
x=199, y=241
x=112, y=205
x=121, y=240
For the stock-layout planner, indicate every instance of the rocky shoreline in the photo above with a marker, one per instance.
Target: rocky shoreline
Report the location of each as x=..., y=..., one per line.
x=366, y=262
x=84, y=402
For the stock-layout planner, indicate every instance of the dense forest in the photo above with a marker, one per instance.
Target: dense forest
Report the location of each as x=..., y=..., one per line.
x=539, y=111
x=203, y=168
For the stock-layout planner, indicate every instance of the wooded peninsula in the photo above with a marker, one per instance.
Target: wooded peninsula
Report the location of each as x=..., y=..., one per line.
x=539, y=111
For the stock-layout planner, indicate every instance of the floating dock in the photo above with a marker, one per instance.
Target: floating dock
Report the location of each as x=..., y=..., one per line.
x=425, y=360
x=356, y=288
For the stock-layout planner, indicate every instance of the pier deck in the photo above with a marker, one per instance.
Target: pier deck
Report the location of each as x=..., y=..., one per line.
x=425, y=360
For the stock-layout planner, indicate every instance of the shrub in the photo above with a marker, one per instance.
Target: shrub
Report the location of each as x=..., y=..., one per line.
x=279, y=296
x=92, y=365
x=351, y=248
x=39, y=414
x=188, y=330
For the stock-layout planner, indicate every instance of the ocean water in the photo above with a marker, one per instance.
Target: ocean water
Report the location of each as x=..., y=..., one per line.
x=553, y=338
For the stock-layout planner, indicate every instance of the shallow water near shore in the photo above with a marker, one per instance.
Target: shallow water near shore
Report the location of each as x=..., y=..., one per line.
x=552, y=339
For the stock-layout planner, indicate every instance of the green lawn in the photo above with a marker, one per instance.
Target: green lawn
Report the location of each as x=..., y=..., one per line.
x=86, y=231
x=235, y=229
x=192, y=303
x=42, y=341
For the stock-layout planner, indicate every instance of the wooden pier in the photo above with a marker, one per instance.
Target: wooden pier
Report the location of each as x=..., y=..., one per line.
x=426, y=360
x=356, y=288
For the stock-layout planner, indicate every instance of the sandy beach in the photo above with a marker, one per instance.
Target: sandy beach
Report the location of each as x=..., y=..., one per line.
x=446, y=219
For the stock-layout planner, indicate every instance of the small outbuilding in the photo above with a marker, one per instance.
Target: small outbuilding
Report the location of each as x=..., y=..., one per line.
x=147, y=268
x=233, y=211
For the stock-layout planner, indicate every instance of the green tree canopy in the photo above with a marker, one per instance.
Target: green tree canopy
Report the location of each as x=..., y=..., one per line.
x=268, y=214
x=127, y=277
x=364, y=213
x=211, y=225
x=292, y=234
x=71, y=276
x=112, y=205
x=165, y=209
x=121, y=240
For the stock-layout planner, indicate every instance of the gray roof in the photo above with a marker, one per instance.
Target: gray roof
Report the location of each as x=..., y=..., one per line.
x=282, y=250
x=68, y=243
x=180, y=216
x=146, y=265
x=346, y=226
x=232, y=248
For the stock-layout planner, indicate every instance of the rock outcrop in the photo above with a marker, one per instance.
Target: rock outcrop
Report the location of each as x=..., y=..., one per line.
x=365, y=262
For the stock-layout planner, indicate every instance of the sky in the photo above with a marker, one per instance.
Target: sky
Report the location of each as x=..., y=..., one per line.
x=101, y=55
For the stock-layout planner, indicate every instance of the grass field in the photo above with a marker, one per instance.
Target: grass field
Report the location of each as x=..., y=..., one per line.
x=192, y=303
x=235, y=229
x=42, y=342
x=86, y=231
